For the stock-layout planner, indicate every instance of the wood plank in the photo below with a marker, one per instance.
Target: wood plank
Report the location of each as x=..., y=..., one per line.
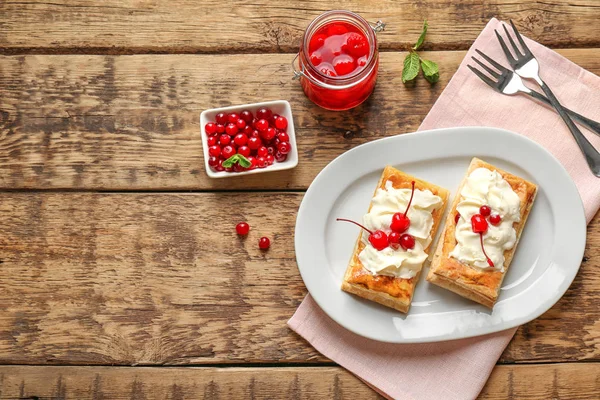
x=507, y=382
x=157, y=279
x=131, y=122
x=177, y=26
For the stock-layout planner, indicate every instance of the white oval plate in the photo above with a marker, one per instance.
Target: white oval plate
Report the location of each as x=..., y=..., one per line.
x=545, y=263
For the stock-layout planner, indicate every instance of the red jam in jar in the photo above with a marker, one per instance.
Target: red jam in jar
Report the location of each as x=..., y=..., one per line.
x=338, y=60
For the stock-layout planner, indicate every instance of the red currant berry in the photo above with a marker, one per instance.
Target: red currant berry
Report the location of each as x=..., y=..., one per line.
x=264, y=243
x=261, y=161
x=224, y=139
x=231, y=129
x=280, y=157
x=210, y=128
x=212, y=140
x=495, y=219
x=221, y=118
x=220, y=128
x=219, y=166
x=248, y=130
x=407, y=241
x=255, y=133
x=229, y=169
x=253, y=162
x=284, y=147
x=242, y=228
x=254, y=143
x=241, y=124
x=394, y=240
x=485, y=211
x=273, y=119
x=244, y=150
x=246, y=116
x=261, y=125
x=479, y=224
x=264, y=113
x=283, y=137
x=240, y=139
x=238, y=168
x=269, y=134
x=400, y=223
x=227, y=152
x=262, y=151
x=232, y=118
x=281, y=123
x=214, y=151
x=213, y=161
x=270, y=159
x=271, y=150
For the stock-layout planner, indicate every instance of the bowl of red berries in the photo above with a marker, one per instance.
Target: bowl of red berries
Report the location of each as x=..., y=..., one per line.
x=248, y=139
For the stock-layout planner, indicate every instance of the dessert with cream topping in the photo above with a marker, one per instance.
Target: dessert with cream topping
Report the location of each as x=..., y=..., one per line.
x=396, y=235
x=482, y=232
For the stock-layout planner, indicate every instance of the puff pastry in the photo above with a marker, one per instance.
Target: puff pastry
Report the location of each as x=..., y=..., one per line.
x=478, y=284
x=390, y=291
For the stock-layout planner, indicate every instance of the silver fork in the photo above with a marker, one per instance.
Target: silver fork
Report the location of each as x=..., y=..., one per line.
x=504, y=81
x=526, y=66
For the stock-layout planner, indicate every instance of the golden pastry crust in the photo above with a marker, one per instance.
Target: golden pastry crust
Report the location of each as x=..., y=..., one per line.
x=475, y=284
x=388, y=290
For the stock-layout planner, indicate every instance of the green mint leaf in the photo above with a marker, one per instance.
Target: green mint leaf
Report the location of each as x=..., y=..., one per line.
x=422, y=37
x=243, y=161
x=430, y=71
x=411, y=67
x=230, y=161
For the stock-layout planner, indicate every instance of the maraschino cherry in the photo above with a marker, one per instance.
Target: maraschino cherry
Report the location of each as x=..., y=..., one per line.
x=394, y=240
x=480, y=225
x=495, y=219
x=378, y=239
x=407, y=241
x=400, y=222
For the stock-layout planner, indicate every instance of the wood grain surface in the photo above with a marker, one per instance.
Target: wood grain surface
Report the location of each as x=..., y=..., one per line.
x=190, y=26
x=132, y=122
x=155, y=279
x=572, y=381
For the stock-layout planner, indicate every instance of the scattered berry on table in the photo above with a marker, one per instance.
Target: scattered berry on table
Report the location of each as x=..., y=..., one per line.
x=264, y=243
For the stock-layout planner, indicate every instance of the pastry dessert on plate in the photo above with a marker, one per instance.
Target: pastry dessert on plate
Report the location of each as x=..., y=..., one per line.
x=482, y=232
x=395, y=239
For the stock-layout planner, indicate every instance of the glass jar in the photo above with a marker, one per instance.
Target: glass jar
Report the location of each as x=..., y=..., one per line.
x=333, y=92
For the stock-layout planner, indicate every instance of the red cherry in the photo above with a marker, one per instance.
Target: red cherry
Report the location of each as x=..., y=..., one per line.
x=456, y=218
x=242, y=228
x=400, y=223
x=394, y=240
x=283, y=137
x=284, y=147
x=229, y=169
x=316, y=42
x=327, y=69
x=224, y=139
x=219, y=166
x=253, y=161
x=495, y=219
x=336, y=29
x=270, y=159
x=261, y=162
x=246, y=116
x=280, y=157
x=281, y=123
x=264, y=113
x=255, y=133
x=254, y=143
x=214, y=151
x=479, y=224
x=220, y=128
x=213, y=161
x=227, y=152
x=344, y=64
x=232, y=118
x=244, y=150
x=378, y=239
x=485, y=211
x=316, y=59
x=273, y=119
x=362, y=61
x=262, y=151
x=356, y=45
x=248, y=130
x=240, y=139
x=231, y=129
x=221, y=118
x=264, y=243
x=407, y=241
x=261, y=125
x=210, y=128
x=238, y=168
x=212, y=140
x=241, y=124
x=269, y=134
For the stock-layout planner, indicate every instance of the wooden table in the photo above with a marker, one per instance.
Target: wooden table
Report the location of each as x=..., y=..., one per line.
x=120, y=272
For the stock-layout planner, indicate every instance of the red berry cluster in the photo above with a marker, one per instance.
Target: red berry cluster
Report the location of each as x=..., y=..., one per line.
x=479, y=225
x=262, y=139
x=397, y=238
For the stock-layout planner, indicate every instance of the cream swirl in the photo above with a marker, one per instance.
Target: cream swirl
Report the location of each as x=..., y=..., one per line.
x=386, y=202
x=485, y=187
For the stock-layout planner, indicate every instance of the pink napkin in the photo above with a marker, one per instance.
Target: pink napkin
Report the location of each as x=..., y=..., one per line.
x=459, y=369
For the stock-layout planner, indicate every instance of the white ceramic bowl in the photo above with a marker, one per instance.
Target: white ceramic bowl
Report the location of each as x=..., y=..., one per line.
x=280, y=107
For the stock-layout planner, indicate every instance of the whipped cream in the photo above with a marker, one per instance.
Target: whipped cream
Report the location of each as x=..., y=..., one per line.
x=485, y=187
x=399, y=263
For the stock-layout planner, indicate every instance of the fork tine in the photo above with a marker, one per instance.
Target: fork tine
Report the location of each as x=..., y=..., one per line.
x=519, y=38
x=512, y=43
x=488, y=69
x=499, y=67
x=507, y=52
x=482, y=76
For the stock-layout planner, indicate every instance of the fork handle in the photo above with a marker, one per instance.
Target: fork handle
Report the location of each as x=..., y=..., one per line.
x=591, y=154
x=594, y=126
